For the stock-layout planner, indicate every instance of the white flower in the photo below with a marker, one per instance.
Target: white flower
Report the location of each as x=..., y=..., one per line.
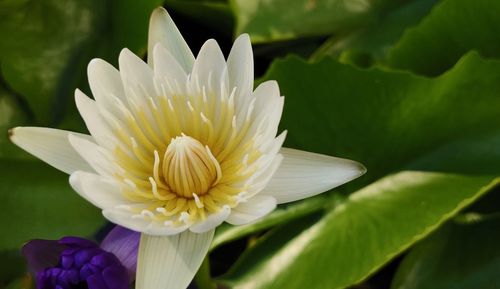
x=181, y=145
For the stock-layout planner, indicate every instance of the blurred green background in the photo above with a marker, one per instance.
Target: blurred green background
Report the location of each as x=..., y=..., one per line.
x=409, y=88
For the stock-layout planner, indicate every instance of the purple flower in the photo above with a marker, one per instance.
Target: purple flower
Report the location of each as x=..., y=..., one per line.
x=72, y=262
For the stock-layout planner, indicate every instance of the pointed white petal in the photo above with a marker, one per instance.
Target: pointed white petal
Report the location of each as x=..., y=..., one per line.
x=95, y=124
x=266, y=91
x=210, y=68
x=104, y=80
x=167, y=67
x=240, y=68
x=100, y=191
x=252, y=210
x=51, y=146
x=136, y=75
x=162, y=30
x=268, y=107
x=304, y=174
x=170, y=262
x=211, y=221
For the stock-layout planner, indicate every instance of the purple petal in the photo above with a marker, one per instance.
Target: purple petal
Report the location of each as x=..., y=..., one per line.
x=116, y=277
x=67, y=261
x=104, y=260
x=96, y=282
x=88, y=270
x=85, y=255
x=42, y=254
x=77, y=242
x=124, y=243
x=42, y=280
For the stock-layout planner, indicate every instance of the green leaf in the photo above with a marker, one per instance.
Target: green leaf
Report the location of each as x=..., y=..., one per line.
x=387, y=120
x=51, y=43
x=37, y=202
x=452, y=29
x=275, y=20
x=25, y=282
x=475, y=155
x=445, y=136
x=358, y=236
x=39, y=60
x=371, y=43
x=12, y=265
x=461, y=255
x=125, y=24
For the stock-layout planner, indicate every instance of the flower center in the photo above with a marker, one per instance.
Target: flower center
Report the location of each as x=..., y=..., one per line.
x=189, y=168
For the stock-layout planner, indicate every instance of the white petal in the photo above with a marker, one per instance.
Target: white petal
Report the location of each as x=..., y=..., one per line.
x=210, y=69
x=167, y=67
x=265, y=92
x=51, y=146
x=268, y=107
x=261, y=180
x=101, y=192
x=240, y=69
x=90, y=114
x=124, y=218
x=211, y=221
x=252, y=210
x=267, y=96
x=162, y=30
x=137, y=76
x=104, y=80
x=304, y=174
x=93, y=154
x=170, y=262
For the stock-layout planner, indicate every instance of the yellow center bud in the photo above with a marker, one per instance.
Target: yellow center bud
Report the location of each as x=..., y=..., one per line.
x=189, y=167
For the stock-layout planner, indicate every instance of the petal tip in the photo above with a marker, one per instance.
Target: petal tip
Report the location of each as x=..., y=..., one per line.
x=360, y=168
x=15, y=133
x=78, y=96
x=243, y=37
x=11, y=133
x=159, y=11
x=125, y=52
x=93, y=64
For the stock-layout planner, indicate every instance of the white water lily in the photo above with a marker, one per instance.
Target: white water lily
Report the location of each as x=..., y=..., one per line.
x=180, y=145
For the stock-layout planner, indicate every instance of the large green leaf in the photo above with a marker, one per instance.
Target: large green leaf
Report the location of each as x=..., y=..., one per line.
x=359, y=236
x=37, y=202
x=387, y=120
x=50, y=43
x=453, y=28
x=276, y=20
x=25, y=282
x=371, y=43
x=476, y=155
x=41, y=58
x=425, y=124
x=12, y=266
x=461, y=255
